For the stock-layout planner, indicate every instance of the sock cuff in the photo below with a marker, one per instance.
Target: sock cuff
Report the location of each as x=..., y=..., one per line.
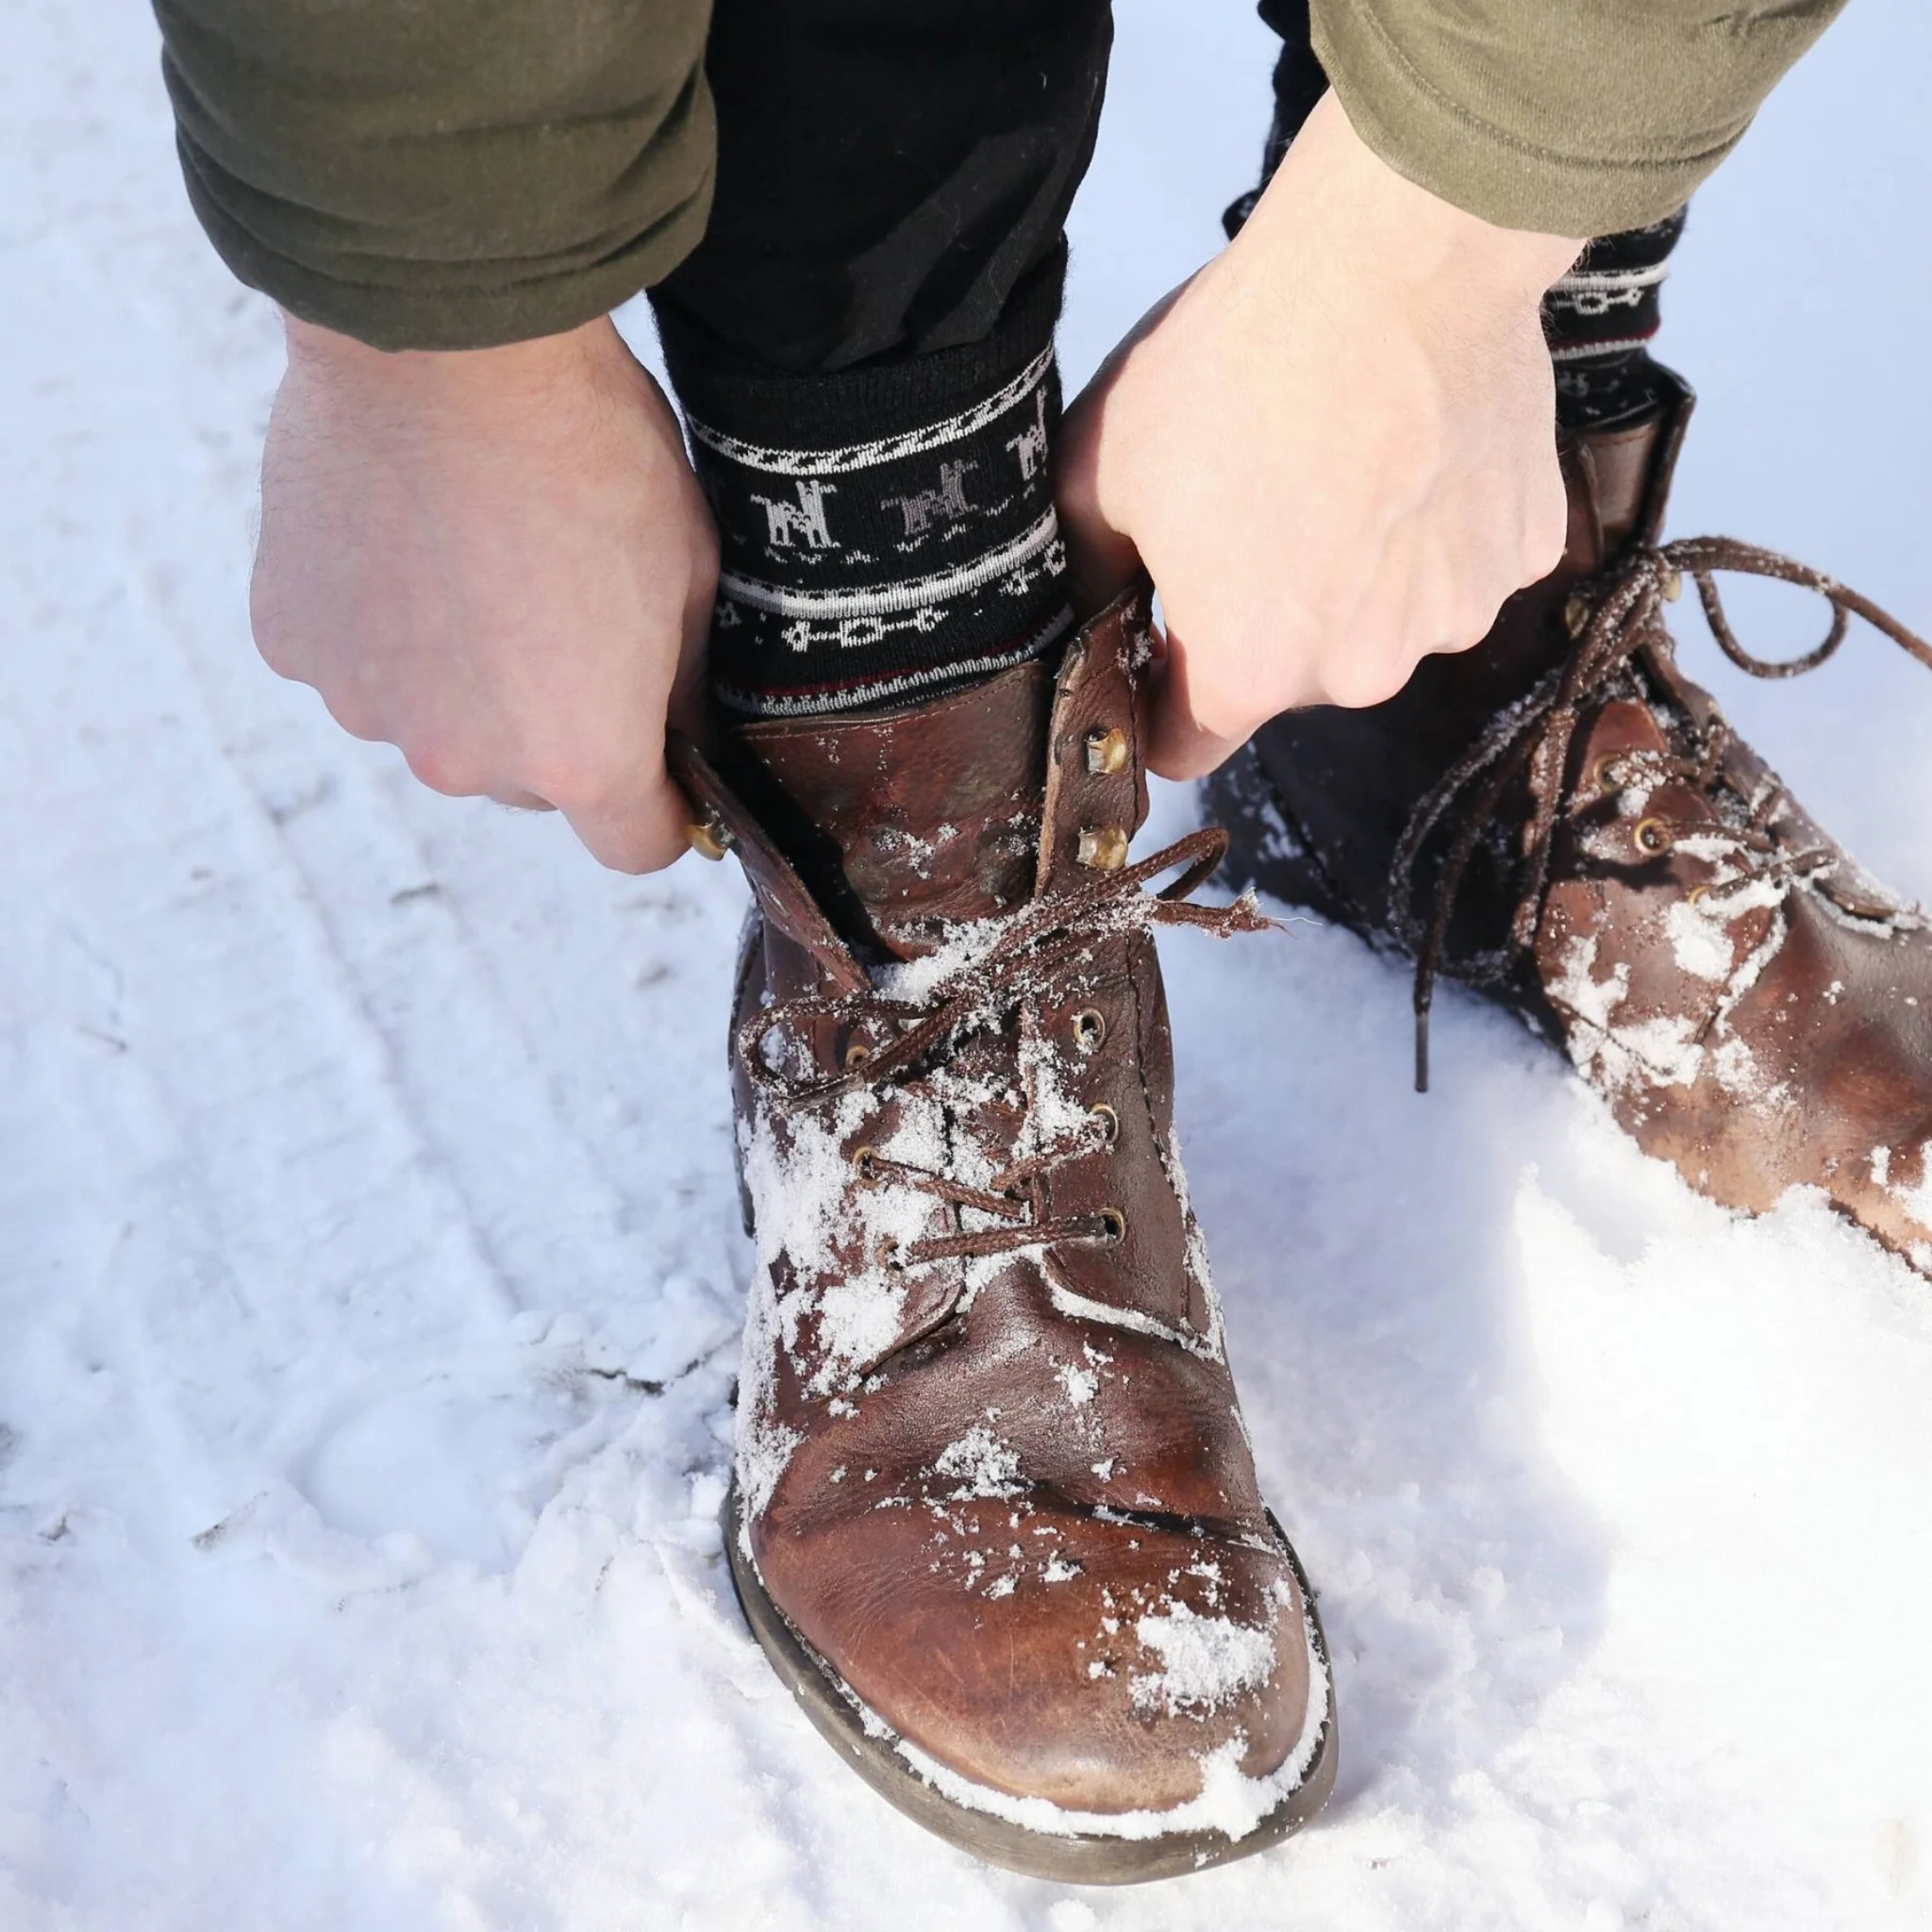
x=1611, y=299
x=886, y=532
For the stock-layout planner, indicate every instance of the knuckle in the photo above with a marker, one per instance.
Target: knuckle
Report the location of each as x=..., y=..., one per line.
x=356, y=720
x=446, y=769
x=1477, y=613
x=575, y=792
x=1369, y=678
x=638, y=846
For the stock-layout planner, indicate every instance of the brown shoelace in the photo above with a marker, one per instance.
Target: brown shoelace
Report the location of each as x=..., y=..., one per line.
x=1027, y=956
x=1531, y=739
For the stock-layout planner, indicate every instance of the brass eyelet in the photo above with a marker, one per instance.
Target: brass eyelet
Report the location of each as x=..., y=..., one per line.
x=1695, y=894
x=1606, y=774
x=856, y=1054
x=1652, y=837
x=1103, y=848
x=1106, y=751
x=709, y=838
x=1090, y=1029
x=865, y=1173
x=1109, y=1121
x=1115, y=1221
x=885, y=1253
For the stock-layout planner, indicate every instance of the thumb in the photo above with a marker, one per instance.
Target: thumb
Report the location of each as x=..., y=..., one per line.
x=1101, y=559
x=642, y=831
x=1179, y=744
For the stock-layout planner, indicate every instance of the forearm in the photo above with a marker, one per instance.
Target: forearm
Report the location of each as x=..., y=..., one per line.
x=445, y=176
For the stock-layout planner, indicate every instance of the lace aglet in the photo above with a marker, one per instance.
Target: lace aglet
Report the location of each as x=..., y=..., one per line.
x=1421, y=1049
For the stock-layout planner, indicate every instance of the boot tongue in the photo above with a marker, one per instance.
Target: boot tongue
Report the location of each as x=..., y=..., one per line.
x=1619, y=479
x=905, y=821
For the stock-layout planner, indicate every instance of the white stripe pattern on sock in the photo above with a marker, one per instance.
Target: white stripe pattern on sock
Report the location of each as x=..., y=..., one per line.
x=814, y=704
x=889, y=598
x=867, y=456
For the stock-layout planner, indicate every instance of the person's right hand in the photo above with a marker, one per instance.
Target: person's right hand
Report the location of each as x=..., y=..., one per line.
x=497, y=560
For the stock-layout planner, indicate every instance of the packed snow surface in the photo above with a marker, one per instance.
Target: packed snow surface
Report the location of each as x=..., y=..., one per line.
x=372, y=1278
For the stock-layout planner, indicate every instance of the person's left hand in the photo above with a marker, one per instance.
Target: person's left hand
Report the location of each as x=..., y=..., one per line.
x=1334, y=450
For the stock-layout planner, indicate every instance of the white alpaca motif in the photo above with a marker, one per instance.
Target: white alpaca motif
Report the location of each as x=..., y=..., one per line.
x=789, y=523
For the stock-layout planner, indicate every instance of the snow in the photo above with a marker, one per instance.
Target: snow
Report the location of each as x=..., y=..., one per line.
x=1204, y=1661
x=373, y=1274
x=981, y=1464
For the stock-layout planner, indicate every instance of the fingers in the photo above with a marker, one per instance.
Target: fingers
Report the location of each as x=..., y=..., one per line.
x=640, y=833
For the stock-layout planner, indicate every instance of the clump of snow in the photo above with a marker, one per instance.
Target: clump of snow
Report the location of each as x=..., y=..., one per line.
x=1699, y=941
x=981, y=1464
x=834, y=1242
x=1081, y=1384
x=1204, y=1661
x=1593, y=1001
x=1737, y=1069
x=1915, y=1197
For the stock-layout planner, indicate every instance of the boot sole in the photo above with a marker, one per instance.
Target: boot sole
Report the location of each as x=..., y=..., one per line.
x=1077, y=1858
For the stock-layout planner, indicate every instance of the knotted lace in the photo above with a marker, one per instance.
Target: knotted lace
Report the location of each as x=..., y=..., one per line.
x=1531, y=739
x=1027, y=954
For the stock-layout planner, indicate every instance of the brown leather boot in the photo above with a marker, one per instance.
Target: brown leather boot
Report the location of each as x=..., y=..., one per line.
x=1563, y=820
x=996, y=1522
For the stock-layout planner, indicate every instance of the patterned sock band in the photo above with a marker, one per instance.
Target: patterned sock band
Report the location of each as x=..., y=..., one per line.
x=888, y=534
x=1599, y=321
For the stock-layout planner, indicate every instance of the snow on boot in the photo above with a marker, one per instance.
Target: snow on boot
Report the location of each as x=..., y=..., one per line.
x=995, y=1519
x=1563, y=820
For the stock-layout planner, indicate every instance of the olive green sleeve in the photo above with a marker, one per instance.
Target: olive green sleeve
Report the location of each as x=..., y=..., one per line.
x=445, y=173
x=1572, y=117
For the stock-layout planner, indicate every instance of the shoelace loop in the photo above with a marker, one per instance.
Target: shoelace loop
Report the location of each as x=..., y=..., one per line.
x=1531, y=739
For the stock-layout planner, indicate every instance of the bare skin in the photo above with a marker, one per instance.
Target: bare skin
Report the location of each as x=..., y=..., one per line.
x=498, y=561
x=1333, y=449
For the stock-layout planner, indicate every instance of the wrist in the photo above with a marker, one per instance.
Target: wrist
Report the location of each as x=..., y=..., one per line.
x=454, y=380
x=1335, y=197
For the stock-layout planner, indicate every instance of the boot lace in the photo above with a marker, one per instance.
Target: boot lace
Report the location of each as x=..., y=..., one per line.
x=1618, y=618
x=1028, y=955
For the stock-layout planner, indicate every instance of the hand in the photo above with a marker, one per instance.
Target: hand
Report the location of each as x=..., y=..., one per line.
x=1334, y=449
x=497, y=559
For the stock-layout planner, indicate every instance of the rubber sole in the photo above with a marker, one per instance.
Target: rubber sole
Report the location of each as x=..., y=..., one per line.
x=1084, y=1858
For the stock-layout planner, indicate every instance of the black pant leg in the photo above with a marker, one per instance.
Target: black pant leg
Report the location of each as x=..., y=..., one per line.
x=893, y=176
x=862, y=343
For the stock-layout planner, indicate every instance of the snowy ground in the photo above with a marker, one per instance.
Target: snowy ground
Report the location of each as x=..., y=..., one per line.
x=370, y=1278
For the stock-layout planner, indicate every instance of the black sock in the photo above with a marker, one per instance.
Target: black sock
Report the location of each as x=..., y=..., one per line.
x=888, y=533
x=1599, y=321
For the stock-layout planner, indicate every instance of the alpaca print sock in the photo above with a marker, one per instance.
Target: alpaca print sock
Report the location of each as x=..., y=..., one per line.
x=1599, y=321
x=887, y=534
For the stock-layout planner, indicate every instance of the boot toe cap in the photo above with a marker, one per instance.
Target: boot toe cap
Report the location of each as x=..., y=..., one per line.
x=1100, y=1667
